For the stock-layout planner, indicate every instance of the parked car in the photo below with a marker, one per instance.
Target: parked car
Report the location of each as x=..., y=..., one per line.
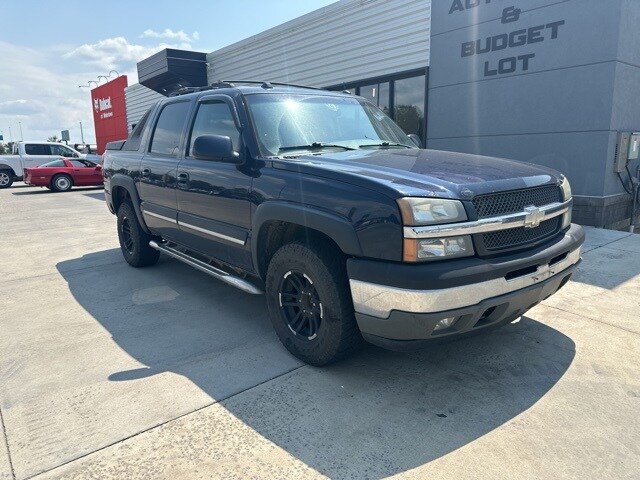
x=60, y=175
x=31, y=154
x=321, y=201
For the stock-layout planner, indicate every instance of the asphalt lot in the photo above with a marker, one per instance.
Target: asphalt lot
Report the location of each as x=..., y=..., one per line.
x=111, y=372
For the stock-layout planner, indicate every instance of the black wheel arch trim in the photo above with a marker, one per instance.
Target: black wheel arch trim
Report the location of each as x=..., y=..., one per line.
x=4, y=166
x=129, y=185
x=335, y=227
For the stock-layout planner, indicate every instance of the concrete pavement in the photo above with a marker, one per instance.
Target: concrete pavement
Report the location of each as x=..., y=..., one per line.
x=112, y=372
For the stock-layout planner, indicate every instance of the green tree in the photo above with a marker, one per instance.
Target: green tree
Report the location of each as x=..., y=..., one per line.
x=5, y=149
x=53, y=138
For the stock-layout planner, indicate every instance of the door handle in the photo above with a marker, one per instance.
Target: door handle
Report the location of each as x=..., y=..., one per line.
x=183, y=177
x=146, y=172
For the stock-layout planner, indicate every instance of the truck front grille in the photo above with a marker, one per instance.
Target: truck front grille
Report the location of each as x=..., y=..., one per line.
x=504, y=203
x=516, y=237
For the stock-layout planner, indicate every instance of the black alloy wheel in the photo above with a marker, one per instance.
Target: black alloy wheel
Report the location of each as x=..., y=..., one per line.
x=309, y=302
x=127, y=240
x=301, y=306
x=134, y=241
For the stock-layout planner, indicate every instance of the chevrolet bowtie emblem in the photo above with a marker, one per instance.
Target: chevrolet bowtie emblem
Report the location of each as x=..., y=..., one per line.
x=533, y=217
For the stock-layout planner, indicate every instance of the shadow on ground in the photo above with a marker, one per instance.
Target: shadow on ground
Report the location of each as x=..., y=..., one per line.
x=44, y=190
x=376, y=414
x=96, y=196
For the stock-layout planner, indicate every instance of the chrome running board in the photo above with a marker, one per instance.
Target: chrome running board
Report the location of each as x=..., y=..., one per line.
x=226, y=277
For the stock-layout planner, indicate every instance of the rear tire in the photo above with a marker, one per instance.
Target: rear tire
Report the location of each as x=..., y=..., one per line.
x=6, y=178
x=134, y=241
x=310, y=303
x=61, y=183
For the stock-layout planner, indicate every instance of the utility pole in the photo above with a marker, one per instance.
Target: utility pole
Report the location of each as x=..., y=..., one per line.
x=21, y=137
x=81, y=133
x=10, y=136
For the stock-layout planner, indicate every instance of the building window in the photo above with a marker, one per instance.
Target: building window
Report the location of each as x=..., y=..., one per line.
x=401, y=96
x=408, y=105
x=378, y=94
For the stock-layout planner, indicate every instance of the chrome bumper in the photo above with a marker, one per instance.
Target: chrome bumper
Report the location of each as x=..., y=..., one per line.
x=380, y=300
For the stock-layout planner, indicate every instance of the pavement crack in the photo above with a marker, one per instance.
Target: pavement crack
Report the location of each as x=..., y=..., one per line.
x=591, y=318
x=6, y=443
x=154, y=427
x=606, y=244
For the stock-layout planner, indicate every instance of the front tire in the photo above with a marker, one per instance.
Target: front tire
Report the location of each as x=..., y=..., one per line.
x=6, y=178
x=310, y=303
x=61, y=183
x=134, y=241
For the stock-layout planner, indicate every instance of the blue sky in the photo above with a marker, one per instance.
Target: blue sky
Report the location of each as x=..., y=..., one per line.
x=48, y=49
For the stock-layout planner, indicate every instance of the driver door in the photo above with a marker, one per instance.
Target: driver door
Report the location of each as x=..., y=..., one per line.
x=213, y=196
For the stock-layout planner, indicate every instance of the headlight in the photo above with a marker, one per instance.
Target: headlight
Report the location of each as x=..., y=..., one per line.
x=566, y=189
x=420, y=250
x=430, y=211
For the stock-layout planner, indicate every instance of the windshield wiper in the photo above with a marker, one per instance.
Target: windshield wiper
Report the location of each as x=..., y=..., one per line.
x=312, y=146
x=385, y=145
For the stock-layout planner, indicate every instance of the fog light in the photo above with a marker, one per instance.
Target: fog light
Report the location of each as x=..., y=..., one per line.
x=444, y=323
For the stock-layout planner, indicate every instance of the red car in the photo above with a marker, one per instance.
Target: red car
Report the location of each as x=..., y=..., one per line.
x=61, y=175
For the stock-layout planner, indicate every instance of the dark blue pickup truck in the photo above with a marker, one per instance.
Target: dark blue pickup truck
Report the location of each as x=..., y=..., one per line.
x=321, y=201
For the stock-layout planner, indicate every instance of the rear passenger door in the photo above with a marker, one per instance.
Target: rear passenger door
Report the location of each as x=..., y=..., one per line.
x=214, y=196
x=158, y=168
x=37, y=154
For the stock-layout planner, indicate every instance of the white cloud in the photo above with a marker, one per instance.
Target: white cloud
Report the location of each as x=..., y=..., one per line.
x=39, y=88
x=17, y=107
x=117, y=52
x=169, y=34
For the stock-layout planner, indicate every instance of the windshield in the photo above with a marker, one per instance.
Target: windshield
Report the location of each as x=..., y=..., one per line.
x=285, y=123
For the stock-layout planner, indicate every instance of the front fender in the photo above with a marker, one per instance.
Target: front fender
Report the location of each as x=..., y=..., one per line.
x=335, y=227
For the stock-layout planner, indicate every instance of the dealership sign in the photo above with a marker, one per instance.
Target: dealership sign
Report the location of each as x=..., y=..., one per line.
x=102, y=104
x=514, y=39
x=110, y=112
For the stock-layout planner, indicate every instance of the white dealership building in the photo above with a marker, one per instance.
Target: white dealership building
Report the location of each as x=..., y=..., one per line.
x=553, y=83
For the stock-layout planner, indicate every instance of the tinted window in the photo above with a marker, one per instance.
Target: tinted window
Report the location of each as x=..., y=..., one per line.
x=214, y=118
x=166, y=135
x=37, y=149
x=55, y=163
x=80, y=164
x=133, y=142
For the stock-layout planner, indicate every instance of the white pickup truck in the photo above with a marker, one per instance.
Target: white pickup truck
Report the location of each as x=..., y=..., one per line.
x=31, y=154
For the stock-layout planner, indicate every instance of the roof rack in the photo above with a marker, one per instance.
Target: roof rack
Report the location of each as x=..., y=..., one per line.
x=267, y=85
x=231, y=84
x=186, y=90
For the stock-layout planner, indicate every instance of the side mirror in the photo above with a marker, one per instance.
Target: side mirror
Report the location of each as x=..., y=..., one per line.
x=416, y=139
x=217, y=148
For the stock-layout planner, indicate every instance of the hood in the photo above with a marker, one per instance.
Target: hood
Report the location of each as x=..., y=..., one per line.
x=413, y=172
